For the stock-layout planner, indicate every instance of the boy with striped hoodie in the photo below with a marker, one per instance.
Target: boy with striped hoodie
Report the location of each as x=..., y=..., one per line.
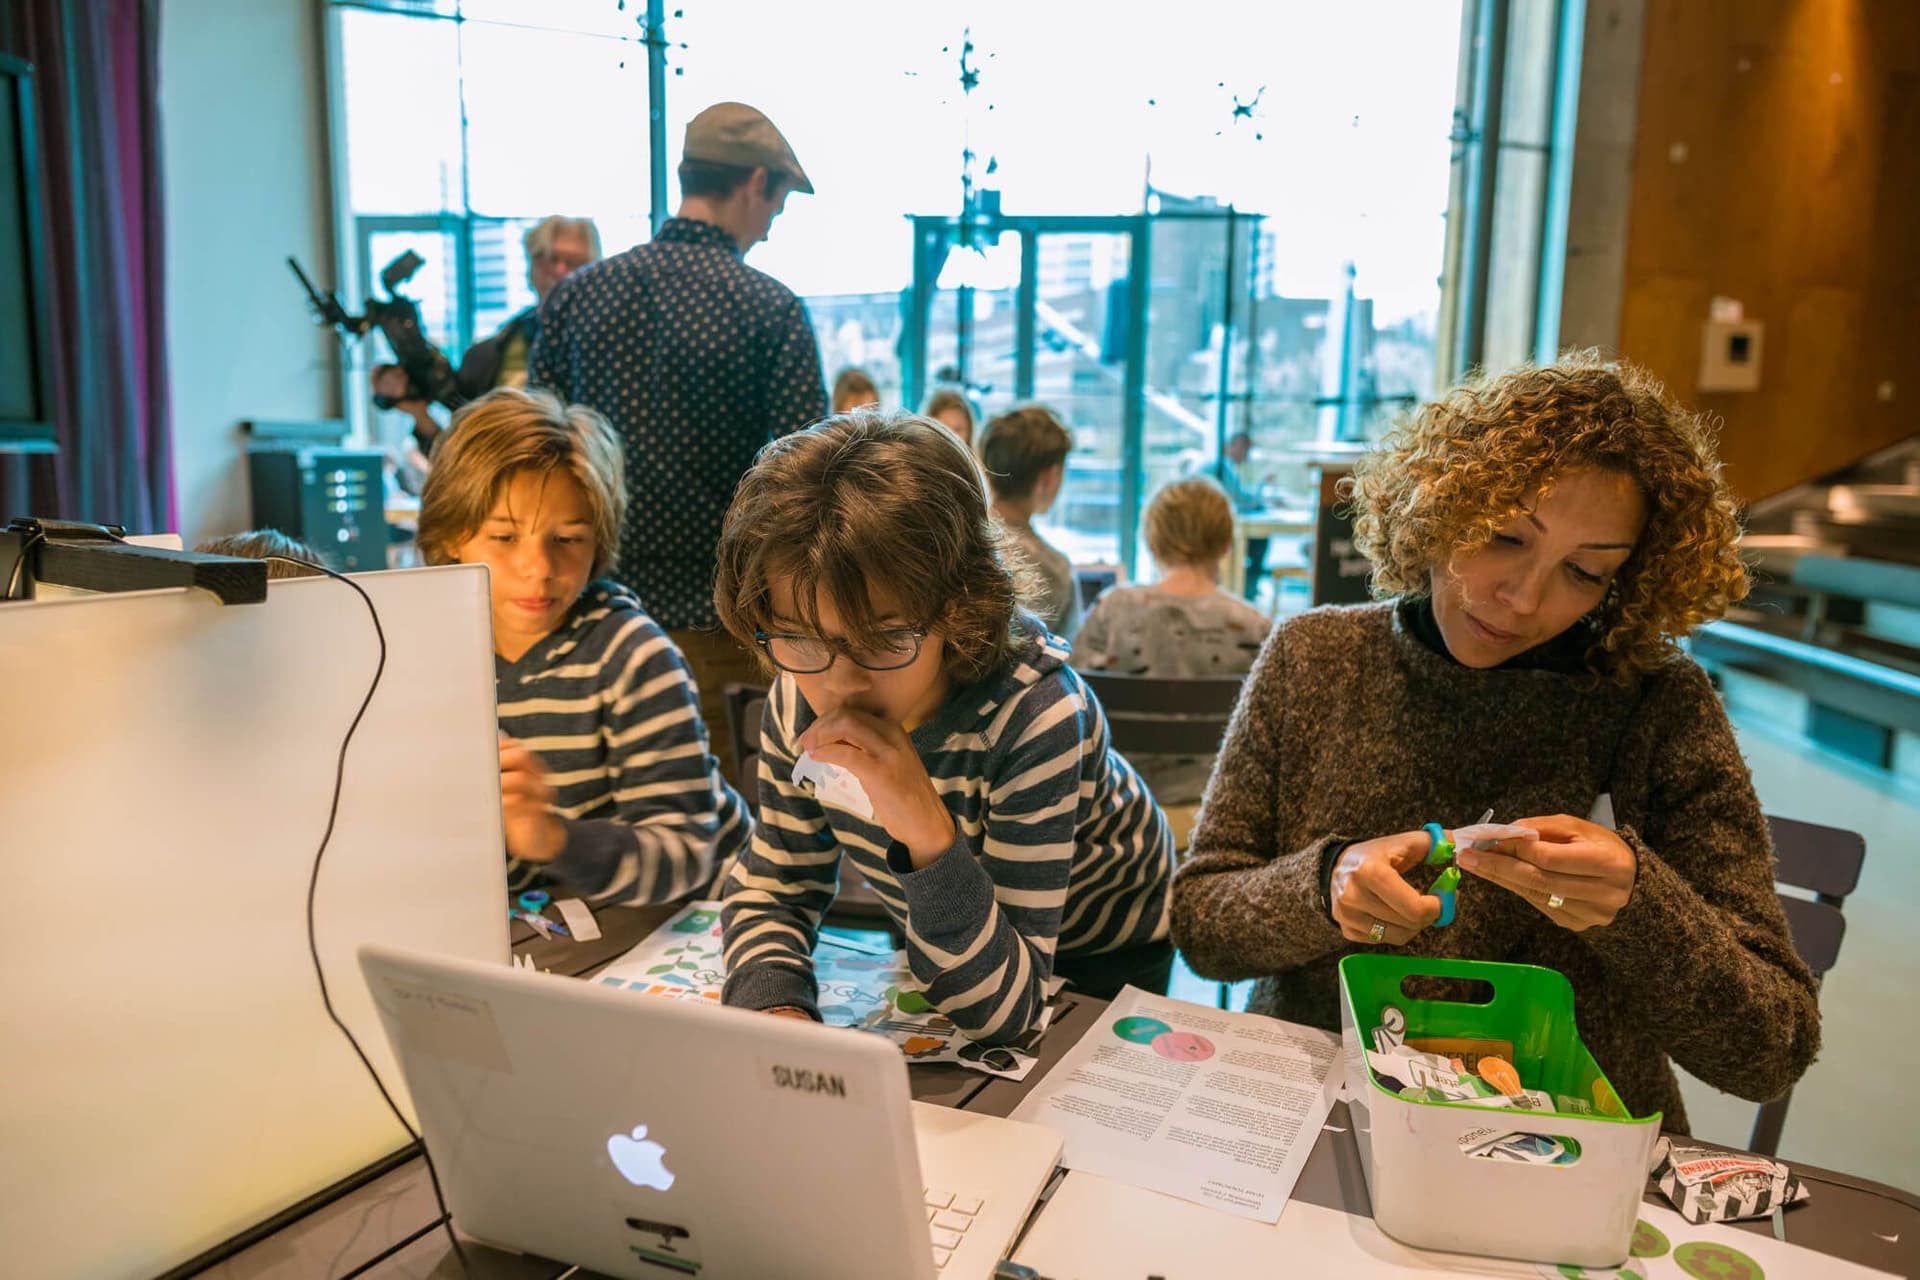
x=967, y=769
x=608, y=785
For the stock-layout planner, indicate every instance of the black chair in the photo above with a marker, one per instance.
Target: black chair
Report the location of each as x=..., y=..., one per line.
x=856, y=906
x=1091, y=582
x=1170, y=717
x=1827, y=861
x=1186, y=717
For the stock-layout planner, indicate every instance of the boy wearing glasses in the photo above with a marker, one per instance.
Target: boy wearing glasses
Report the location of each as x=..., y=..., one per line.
x=1006, y=838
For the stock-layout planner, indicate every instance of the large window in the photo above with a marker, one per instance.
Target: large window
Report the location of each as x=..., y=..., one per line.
x=463, y=123
x=1218, y=219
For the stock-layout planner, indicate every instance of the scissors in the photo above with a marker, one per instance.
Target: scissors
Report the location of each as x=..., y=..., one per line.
x=1446, y=885
x=529, y=908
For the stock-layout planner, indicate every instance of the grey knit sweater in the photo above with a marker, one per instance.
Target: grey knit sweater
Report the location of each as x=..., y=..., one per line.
x=1350, y=727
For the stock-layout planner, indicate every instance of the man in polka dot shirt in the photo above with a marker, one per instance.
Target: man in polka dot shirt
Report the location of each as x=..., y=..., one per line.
x=697, y=360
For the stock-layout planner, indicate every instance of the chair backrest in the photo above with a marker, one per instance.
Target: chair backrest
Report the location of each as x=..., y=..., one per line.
x=1171, y=717
x=1091, y=582
x=746, y=706
x=1826, y=860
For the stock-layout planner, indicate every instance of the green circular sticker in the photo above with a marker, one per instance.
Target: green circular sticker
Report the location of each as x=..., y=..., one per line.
x=1631, y=1271
x=1704, y=1261
x=1140, y=1030
x=1648, y=1242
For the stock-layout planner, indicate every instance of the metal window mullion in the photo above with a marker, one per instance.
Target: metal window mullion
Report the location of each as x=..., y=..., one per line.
x=1556, y=199
x=657, y=112
x=1134, y=410
x=1026, y=303
x=1224, y=400
x=1485, y=184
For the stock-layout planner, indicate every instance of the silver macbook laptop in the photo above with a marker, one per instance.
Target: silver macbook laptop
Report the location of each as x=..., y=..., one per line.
x=644, y=1137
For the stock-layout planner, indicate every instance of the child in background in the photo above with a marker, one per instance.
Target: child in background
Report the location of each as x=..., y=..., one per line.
x=271, y=545
x=607, y=782
x=1025, y=451
x=854, y=389
x=1004, y=836
x=950, y=408
x=1182, y=626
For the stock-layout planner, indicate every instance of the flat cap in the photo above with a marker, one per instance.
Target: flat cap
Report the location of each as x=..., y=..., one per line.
x=734, y=133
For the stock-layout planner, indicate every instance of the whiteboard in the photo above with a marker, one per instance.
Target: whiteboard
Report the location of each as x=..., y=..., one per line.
x=170, y=1077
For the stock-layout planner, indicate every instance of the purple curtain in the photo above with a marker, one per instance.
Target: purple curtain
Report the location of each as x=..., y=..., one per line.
x=98, y=119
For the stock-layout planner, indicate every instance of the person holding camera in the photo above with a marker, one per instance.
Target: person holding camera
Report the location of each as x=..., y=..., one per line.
x=556, y=246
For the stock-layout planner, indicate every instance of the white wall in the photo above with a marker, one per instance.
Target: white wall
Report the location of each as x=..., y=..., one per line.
x=243, y=116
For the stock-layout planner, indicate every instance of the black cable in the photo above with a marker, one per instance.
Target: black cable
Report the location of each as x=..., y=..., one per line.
x=28, y=541
x=313, y=884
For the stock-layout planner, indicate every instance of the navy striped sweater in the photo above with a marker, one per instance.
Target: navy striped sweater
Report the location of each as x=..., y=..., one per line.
x=609, y=704
x=1058, y=849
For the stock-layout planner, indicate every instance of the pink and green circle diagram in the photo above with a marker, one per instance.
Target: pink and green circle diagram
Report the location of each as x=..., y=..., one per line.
x=1179, y=1046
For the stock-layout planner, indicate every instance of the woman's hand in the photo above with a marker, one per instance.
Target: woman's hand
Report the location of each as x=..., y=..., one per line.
x=1577, y=873
x=879, y=753
x=1369, y=888
x=534, y=832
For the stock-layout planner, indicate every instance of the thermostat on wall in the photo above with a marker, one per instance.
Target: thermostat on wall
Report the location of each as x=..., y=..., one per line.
x=1730, y=356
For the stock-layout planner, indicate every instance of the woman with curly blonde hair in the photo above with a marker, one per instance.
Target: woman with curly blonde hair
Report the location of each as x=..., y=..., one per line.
x=1544, y=537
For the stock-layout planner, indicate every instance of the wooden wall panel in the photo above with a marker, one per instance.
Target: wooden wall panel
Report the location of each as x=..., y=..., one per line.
x=1778, y=162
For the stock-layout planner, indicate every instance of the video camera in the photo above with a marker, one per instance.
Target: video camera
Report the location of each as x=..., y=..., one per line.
x=429, y=372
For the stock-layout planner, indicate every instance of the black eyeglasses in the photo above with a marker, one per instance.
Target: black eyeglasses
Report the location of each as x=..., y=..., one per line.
x=810, y=655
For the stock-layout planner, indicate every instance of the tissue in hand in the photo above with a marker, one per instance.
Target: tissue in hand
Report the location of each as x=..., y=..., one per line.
x=833, y=785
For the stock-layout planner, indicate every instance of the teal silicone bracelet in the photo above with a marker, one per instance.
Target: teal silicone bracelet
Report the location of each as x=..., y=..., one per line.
x=1441, y=851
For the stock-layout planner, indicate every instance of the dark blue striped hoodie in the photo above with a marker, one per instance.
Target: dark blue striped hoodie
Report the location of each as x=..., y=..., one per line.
x=608, y=702
x=1058, y=849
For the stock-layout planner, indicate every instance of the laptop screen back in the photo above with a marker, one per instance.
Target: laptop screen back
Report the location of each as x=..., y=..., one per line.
x=171, y=1077
x=628, y=1134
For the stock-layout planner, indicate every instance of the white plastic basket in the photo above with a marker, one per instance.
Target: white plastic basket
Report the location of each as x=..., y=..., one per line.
x=1429, y=1193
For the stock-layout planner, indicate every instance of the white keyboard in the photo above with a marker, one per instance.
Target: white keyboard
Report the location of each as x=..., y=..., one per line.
x=949, y=1215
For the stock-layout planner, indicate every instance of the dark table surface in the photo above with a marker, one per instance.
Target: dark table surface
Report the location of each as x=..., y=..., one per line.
x=390, y=1227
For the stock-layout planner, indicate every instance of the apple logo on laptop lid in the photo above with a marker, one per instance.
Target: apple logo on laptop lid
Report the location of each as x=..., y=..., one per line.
x=640, y=1159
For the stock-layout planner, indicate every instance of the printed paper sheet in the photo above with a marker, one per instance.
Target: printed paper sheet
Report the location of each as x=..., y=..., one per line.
x=1218, y=1108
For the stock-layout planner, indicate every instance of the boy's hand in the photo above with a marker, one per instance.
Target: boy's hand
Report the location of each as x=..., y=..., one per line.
x=1578, y=874
x=1369, y=888
x=534, y=833
x=879, y=753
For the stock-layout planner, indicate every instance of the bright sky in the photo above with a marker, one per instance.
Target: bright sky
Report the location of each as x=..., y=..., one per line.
x=1346, y=150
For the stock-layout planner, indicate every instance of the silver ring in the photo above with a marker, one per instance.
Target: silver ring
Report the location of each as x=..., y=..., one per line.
x=1378, y=932
x=1555, y=902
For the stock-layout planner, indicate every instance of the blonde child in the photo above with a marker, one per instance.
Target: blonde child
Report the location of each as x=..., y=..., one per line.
x=606, y=778
x=1182, y=626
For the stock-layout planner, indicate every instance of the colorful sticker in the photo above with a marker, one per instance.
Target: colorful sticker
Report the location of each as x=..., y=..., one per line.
x=698, y=921
x=1648, y=1241
x=1499, y=1073
x=1140, y=1030
x=1707, y=1261
x=1183, y=1046
x=665, y=1254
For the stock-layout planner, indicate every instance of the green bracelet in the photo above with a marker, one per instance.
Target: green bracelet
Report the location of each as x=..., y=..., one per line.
x=1441, y=851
